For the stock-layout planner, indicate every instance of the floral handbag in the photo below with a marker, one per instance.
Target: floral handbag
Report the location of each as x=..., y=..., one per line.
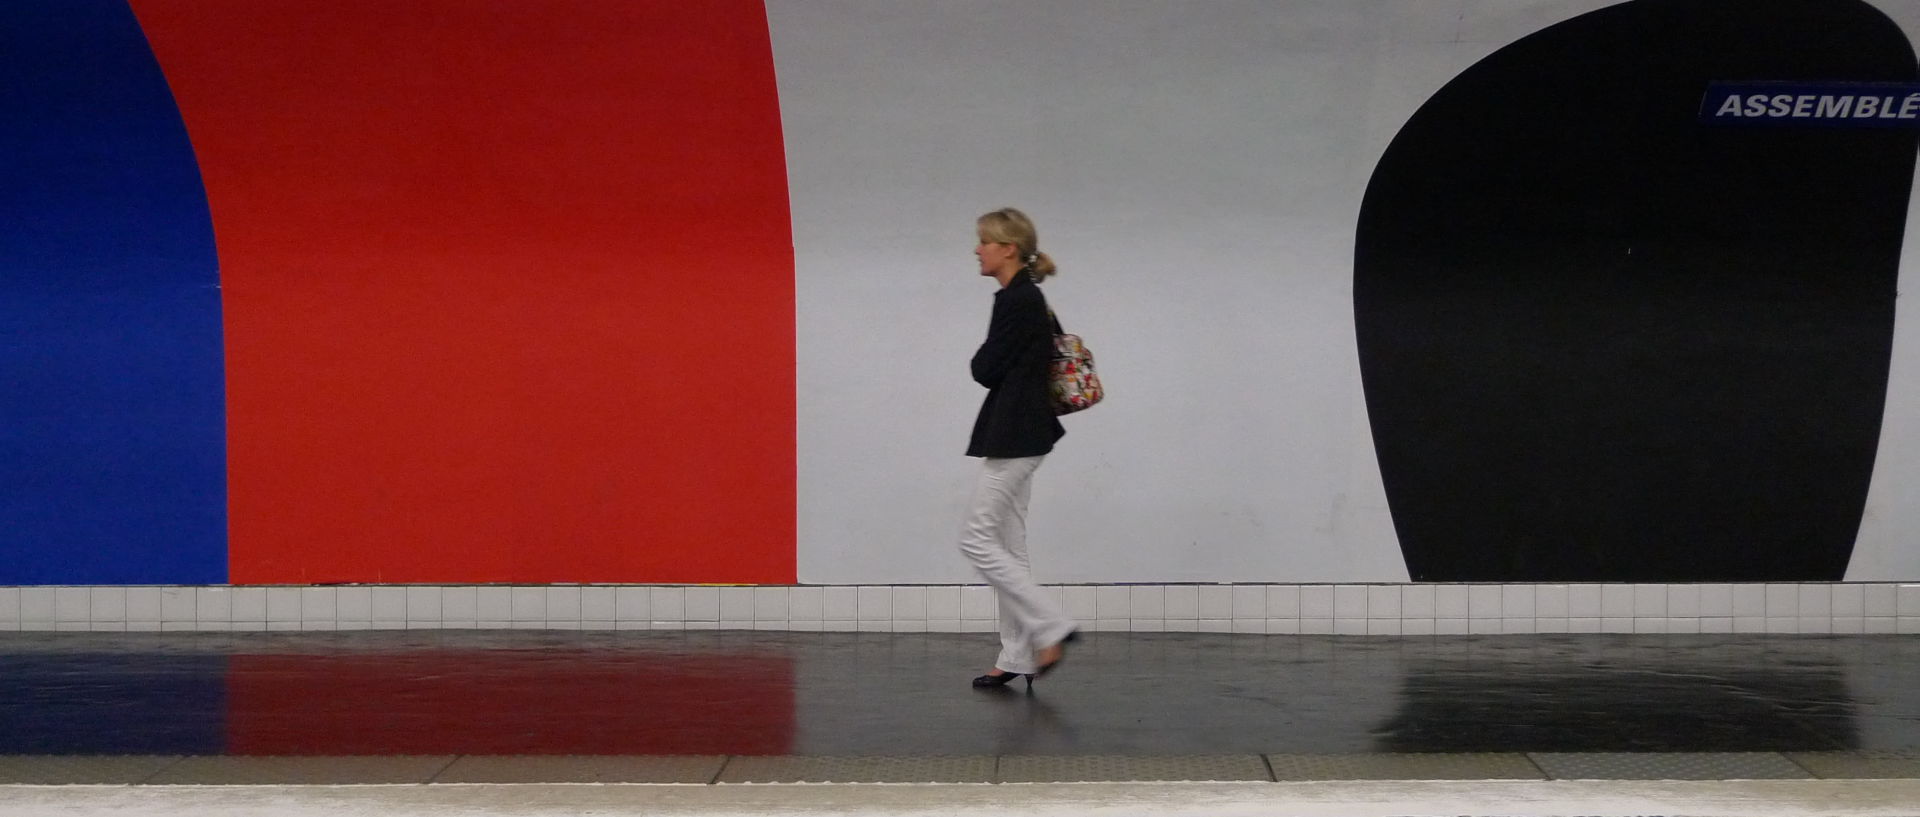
x=1073, y=383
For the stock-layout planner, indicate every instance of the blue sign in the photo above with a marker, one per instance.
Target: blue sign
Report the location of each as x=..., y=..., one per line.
x=1813, y=104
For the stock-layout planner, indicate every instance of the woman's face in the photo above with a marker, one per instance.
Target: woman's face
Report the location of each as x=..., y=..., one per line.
x=996, y=256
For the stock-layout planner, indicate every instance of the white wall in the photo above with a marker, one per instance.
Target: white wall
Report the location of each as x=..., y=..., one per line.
x=1196, y=169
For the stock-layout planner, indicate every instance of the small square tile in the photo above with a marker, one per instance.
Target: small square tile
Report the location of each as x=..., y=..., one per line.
x=143, y=604
x=1783, y=600
x=1849, y=600
x=494, y=603
x=1616, y=600
x=1616, y=624
x=1350, y=601
x=1283, y=626
x=1484, y=626
x=1450, y=626
x=1583, y=600
x=1783, y=624
x=1314, y=626
x=807, y=604
x=703, y=603
x=1749, y=624
x=1550, y=601
x=1383, y=602
x=910, y=604
x=1350, y=626
x=1716, y=600
x=1149, y=625
x=1117, y=625
x=943, y=625
x=37, y=604
x=876, y=603
x=1483, y=601
x=1251, y=625
x=1816, y=600
x=1183, y=601
x=1650, y=601
x=775, y=603
x=71, y=604
x=179, y=604
x=1849, y=625
x=1683, y=601
x=1383, y=626
x=975, y=625
x=1518, y=601
x=1149, y=601
x=389, y=603
x=842, y=603
x=319, y=604
x=603, y=605
x=1078, y=600
x=1550, y=625
x=1452, y=601
x=1113, y=602
x=232, y=604
x=1583, y=625
x=1283, y=601
x=1880, y=625
x=424, y=603
x=1906, y=625
x=1683, y=625
x=1879, y=599
x=1907, y=600
x=1417, y=601
x=563, y=603
x=1316, y=601
x=1219, y=625
x=1716, y=624
x=1416, y=626
x=458, y=603
x=107, y=604
x=1518, y=626
x=1249, y=601
x=527, y=603
x=1749, y=600
x=735, y=603
x=353, y=603
x=943, y=602
x=1181, y=625
x=283, y=604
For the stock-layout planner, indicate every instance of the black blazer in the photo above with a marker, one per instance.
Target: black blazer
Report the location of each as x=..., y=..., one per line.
x=1017, y=418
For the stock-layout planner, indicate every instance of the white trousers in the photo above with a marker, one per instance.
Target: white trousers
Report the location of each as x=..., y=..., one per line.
x=995, y=541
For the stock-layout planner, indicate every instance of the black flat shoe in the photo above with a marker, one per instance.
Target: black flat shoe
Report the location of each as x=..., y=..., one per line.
x=995, y=681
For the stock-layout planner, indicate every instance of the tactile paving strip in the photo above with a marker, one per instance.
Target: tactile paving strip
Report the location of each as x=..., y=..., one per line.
x=1461, y=766
x=295, y=771
x=582, y=769
x=805, y=769
x=1086, y=769
x=1668, y=766
x=1861, y=765
x=75, y=770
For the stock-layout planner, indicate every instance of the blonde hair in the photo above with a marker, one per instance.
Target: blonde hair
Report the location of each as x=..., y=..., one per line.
x=1009, y=226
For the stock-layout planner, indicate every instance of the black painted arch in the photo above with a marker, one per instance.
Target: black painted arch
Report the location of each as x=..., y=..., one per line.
x=1601, y=341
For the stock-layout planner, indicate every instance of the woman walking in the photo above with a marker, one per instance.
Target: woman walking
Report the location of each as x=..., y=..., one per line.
x=1015, y=430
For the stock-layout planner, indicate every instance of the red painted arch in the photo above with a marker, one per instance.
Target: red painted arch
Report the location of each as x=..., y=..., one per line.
x=508, y=286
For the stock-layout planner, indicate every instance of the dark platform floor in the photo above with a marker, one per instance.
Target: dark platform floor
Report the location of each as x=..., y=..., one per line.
x=518, y=693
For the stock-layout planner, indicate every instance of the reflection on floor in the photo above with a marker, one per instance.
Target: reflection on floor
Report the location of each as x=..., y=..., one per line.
x=1286, y=702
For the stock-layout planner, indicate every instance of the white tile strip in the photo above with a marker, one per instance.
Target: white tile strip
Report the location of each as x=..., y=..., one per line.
x=1809, y=608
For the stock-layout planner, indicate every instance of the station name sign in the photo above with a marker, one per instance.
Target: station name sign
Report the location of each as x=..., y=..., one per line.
x=1813, y=104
